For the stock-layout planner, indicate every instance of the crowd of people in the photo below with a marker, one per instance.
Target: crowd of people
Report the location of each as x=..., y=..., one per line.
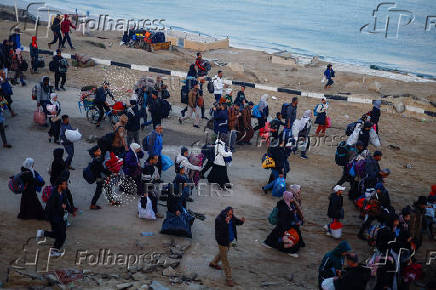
x=121, y=154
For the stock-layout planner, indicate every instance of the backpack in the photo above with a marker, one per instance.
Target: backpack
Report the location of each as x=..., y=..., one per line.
x=184, y=95
x=88, y=175
x=350, y=128
x=284, y=110
x=46, y=192
x=146, y=143
x=210, y=87
x=341, y=156
x=273, y=216
x=16, y=184
x=52, y=66
x=63, y=64
x=315, y=113
x=24, y=66
x=255, y=112
x=357, y=168
x=165, y=108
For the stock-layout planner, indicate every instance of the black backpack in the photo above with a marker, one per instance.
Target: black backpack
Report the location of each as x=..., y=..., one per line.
x=52, y=66
x=341, y=156
x=284, y=110
x=210, y=87
x=88, y=174
x=166, y=108
x=184, y=95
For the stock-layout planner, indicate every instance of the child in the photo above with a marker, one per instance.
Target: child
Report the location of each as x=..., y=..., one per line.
x=278, y=185
x=335, y=210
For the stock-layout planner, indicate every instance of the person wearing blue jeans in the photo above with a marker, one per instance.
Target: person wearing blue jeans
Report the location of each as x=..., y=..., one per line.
x=68, y=145
x=278, y=185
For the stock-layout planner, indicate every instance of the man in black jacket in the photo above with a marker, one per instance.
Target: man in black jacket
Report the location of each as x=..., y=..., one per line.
x=55, y=211
x=335, y=210
x=98, y=170
x=100, y=101
x=56, y=28
x=134, y=122
x=225, y=233
x=60, y=70
x=155, y=108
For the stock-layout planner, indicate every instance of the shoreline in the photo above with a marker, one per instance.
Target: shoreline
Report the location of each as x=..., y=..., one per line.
x=385, y=70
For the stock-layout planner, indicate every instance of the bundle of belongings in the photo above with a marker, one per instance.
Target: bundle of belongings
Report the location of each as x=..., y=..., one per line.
x=81, y=60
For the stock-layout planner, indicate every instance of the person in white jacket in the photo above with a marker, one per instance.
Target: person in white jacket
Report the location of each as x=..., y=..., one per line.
x=218, y=86
x=218, y=174
x=182, y=161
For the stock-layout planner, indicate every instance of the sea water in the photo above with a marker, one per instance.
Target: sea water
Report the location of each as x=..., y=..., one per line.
x=332, y=29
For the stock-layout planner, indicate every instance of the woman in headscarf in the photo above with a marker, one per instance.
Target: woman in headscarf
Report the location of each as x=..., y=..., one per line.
x=17, y=66
x=288, y=217
x=132, y=165
x=301, y=128
x=34, y=54
x=218, y=174
x=375, y=114
x=296, y=190
x=54, y=110
x=262, y=107
x=321, y=117
x=30, y=207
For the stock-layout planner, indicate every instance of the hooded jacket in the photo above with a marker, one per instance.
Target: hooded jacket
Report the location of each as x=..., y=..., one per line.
x=220, y=153
x=58, y=167
x=335, y=210
x=333, y=261
x=134, y=122
x=222, y=228
x=43, y=92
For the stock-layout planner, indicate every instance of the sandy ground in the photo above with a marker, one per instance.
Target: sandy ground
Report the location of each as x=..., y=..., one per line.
x=118, y=229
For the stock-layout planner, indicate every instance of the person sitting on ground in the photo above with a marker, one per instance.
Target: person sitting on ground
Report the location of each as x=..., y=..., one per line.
x=321, y=117
x=30, y=206
x=278, y=185
x=335, y=210
x=225, y=233
x=332, y=262
x=289, y=218
x=329, y=73
x=245, y=128
x=100, y=101
x=54, y=119
x=262, y=107
x=241, y=100
x=100, y=172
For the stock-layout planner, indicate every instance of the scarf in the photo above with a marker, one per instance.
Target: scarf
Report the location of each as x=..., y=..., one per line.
x=28, y=164
x=288, y=196
x=134, y=147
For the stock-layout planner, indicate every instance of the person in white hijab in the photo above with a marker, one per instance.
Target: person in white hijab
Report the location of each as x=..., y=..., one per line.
x=135, y=147
x=54, y=110
x=301, y=130
x=296, y=190
x=28, y=164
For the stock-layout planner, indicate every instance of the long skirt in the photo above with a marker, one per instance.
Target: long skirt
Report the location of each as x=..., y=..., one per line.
x=218, y=175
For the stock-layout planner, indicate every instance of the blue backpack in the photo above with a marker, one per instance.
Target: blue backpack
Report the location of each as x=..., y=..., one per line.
x=255, y=112
x=315, y=113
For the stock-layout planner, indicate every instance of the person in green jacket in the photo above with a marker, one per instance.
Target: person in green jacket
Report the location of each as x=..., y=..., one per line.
x=333, y=261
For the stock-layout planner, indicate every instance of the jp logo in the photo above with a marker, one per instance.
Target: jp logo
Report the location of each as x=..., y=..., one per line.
x=388, y=20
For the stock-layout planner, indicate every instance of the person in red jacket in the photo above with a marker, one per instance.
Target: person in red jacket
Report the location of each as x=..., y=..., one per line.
x=65, y=28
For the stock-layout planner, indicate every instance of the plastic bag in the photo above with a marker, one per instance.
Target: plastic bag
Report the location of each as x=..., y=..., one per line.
x=39, y=117
x=328, y=122
x=328, y=284
x=166, y=162
x=146, y=213
x=354, y=137
x=373, y=138
x=73, y=135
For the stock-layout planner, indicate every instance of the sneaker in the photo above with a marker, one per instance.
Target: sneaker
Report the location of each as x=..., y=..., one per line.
x=304, y=157
x=328, y=234
x=264, y=190
x=216, y=267
x=206, y=118
x=180, y=120
x=7, y=146
x=159, y=216
x=56, y=253
x=326, y=228
x=266, y=246
x=56, y=89
x=230, y=283
x=49, y=140
x=62, y=88
x=94, y=207
x=293, y=255
x=115, y=203
x=39, y=234
x=183, y=113
x=196, y=126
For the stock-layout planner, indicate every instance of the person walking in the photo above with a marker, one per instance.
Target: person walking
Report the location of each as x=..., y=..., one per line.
x=153, y=144
x=155, y=108
x=18, y=65
x=291, y=116
x=61, y=67
x=65, y=28
x=225, y=233
x=6, y=92
x=100, y=172
x=329, y=73
x=54, y=119
x=56, y=28
x=193, y=107
x=218, y=174
x=335, y=210
x=2, y=130
x=245, y=128
x=321, y=117
x=375, y=114
x=34, y=52
x=218, y=85
x=56, y=207
x=30, y=206
x=68, y=145
x=134, y=121
x=43, y=93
